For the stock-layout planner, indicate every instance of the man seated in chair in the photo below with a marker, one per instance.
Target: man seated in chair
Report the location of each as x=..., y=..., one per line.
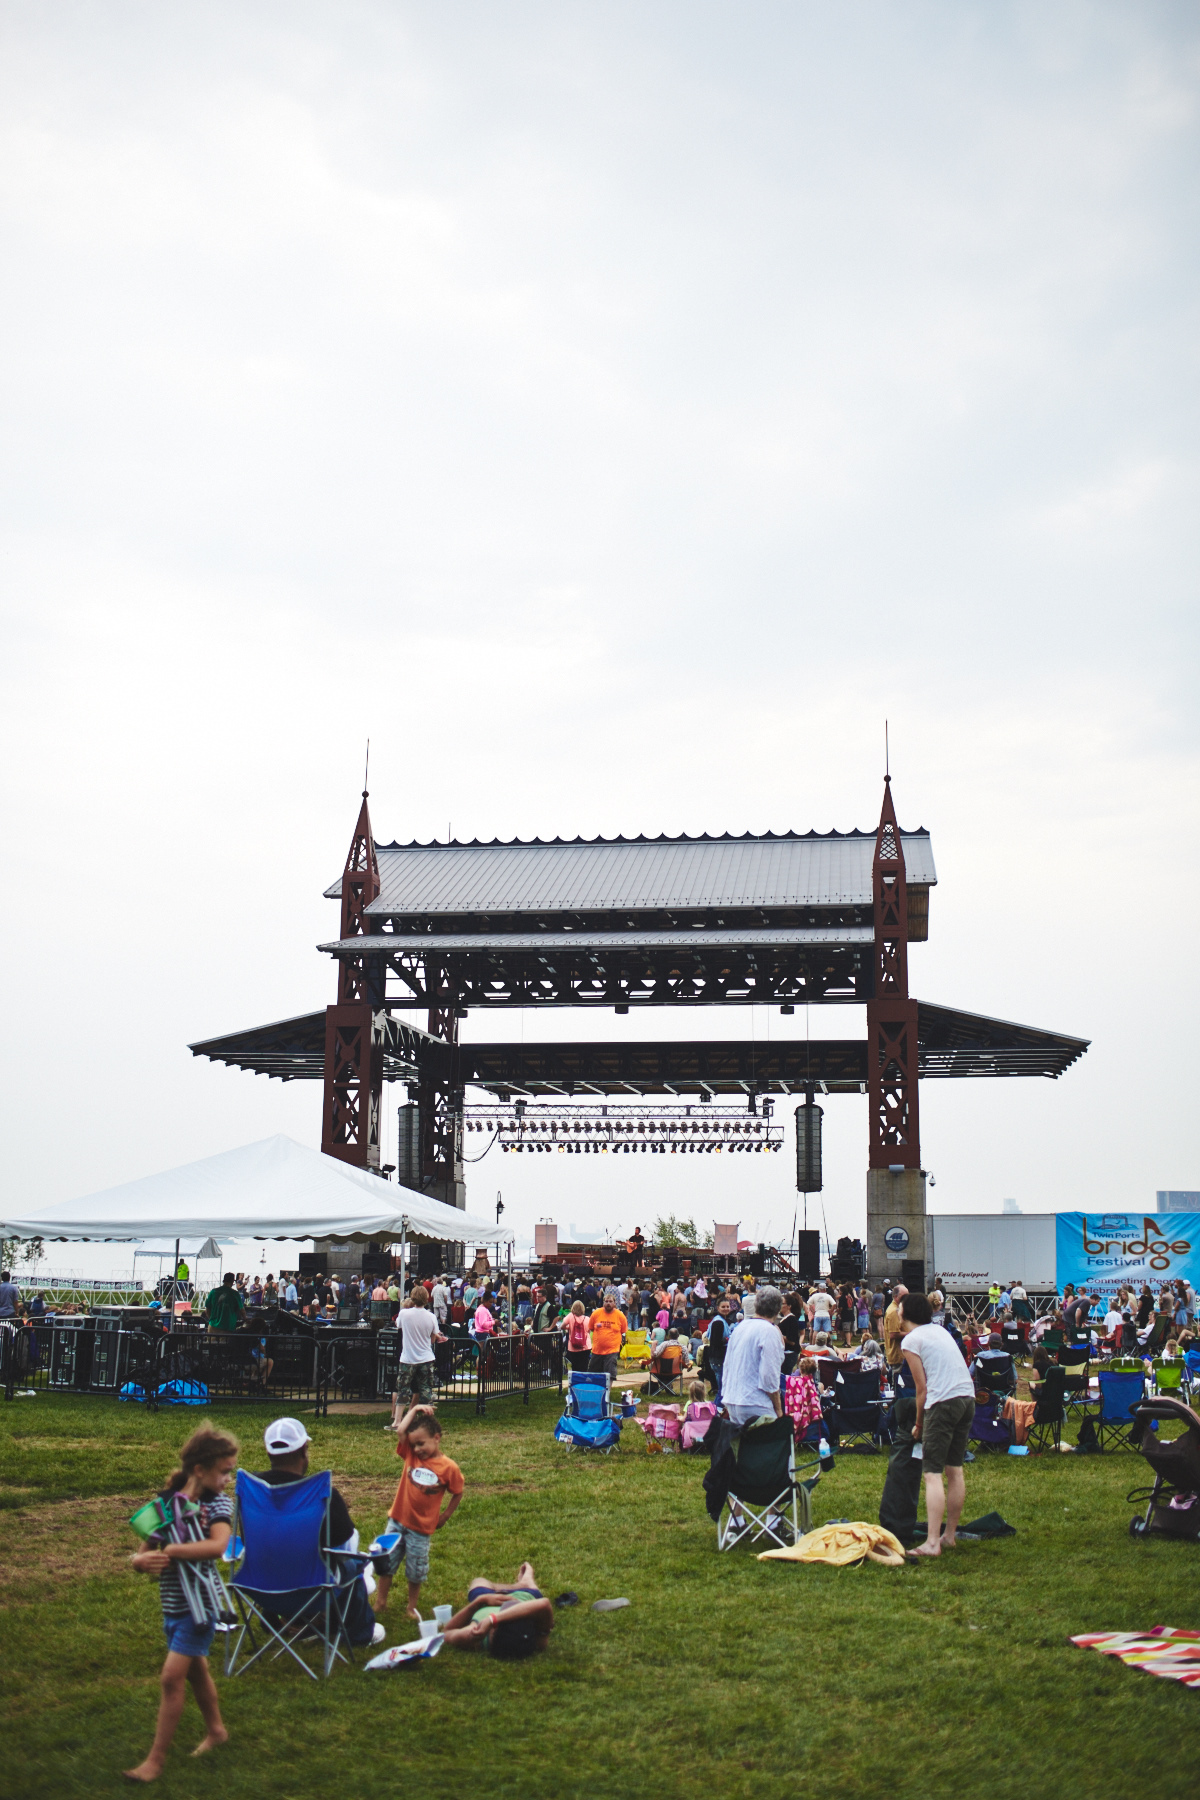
x=669, y=1362
x=287, y=1445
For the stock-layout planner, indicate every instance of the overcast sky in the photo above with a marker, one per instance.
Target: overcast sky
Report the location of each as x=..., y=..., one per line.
x=615, y=412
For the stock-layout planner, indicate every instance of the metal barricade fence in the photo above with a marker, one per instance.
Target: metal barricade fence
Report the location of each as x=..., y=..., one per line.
x=187, y=1363
x=233, y=1365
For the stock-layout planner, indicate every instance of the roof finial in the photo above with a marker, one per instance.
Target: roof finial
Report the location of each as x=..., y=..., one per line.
x=366, y=768
x=887, y=760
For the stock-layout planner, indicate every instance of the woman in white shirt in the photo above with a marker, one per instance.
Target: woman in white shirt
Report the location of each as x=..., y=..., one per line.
x=945, y=1411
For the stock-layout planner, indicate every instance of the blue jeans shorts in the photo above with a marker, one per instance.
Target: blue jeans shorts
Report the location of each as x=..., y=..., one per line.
x=412, y=1549
x=185, y=1637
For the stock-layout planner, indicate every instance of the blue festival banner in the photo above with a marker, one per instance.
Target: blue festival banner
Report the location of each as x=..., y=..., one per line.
x=1103, y=1251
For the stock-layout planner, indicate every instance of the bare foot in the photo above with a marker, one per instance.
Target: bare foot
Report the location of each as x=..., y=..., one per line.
x=414, y=1614
x=211, y=1742
x=145, y=1771
x=526, y=1569
x=948, y=1542
x=925, y=1550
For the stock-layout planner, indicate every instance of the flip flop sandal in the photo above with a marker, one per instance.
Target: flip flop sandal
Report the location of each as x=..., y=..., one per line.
x=608, y=1605
x=567, y=1599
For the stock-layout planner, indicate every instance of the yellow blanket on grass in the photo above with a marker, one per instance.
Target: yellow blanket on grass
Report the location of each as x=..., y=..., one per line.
x=842, y=1545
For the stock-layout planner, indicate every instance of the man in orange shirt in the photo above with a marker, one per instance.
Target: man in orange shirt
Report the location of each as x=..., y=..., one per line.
x=609, y=1326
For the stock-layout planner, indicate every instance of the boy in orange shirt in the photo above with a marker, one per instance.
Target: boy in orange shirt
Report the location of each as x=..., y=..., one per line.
x=417, y=1509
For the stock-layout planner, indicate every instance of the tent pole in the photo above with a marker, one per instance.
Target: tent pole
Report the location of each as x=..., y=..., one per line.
x=403, y=1232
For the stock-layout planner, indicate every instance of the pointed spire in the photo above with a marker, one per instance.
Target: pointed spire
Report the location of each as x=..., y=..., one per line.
x=892, y=1017
x=360, y=877
x=888, y=848
x=360, y=885
x=891, y=902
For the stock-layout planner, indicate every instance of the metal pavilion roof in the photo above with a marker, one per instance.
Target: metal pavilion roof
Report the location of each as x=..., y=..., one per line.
x=787, y=869
x=385, y=943
x=952, y=1044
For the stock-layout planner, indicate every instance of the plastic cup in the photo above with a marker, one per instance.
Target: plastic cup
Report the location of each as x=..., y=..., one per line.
x=442, y=1616
x=428, y=1628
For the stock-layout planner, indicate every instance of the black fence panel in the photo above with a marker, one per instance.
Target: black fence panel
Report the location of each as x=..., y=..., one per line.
x=351, y=1365
x=233, y=1365
x=125, y=1362
x=285, y=1368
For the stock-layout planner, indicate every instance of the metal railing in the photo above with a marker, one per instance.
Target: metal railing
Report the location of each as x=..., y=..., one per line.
x=191, y=1364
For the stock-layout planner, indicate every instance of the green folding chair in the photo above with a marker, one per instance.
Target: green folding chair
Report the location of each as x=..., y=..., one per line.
x=1168, y=1377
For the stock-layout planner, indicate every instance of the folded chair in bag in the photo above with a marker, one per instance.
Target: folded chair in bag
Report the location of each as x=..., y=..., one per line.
x=588, y=1423
x=1045, y=1431
x=287, y=1588
x=1120, y=1394
x=764, y=1498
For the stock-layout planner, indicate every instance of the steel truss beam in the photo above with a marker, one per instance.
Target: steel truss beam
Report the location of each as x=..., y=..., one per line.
x=623, y=1128
x=618, y=972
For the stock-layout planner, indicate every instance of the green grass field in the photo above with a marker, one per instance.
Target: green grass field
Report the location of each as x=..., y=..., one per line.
x=725, y=1675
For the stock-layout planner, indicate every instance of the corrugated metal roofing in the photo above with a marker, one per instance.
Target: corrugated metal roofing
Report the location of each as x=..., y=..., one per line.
x=796, y=937
x=832, y=869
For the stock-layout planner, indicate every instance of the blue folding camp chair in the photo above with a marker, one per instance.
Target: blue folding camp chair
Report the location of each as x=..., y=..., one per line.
x=588, y=1423
x=988, y=1429
x=1119, y=1395
x=287, y=1587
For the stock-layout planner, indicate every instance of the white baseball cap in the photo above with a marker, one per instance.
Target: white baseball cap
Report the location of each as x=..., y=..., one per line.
x=285, y=1436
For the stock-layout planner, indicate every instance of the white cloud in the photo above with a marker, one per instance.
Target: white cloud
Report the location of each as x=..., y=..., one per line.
x=617, y=415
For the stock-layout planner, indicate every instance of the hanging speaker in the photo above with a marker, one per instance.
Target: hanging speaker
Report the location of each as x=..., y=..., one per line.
x=808, y=1148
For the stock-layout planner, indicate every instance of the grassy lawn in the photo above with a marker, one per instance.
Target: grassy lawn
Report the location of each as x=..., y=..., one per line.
x=725, y=1674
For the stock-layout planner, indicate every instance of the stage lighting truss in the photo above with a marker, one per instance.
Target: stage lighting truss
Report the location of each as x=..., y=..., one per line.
x=624, y=1130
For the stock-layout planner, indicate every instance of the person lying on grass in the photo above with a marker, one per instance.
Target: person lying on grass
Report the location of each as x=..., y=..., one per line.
x=514, y=1619
x=206, y=1463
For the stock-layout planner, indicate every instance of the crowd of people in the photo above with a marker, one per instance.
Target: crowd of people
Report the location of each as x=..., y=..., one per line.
x=761, y=1351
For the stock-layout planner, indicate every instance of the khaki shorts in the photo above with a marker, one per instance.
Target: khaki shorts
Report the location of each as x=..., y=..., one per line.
x=945, y=1433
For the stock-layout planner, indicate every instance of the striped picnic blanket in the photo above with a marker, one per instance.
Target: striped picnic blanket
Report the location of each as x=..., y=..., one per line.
x=1163, y=1650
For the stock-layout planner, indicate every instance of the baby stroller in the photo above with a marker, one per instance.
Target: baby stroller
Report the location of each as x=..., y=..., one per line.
x=1173, y=1503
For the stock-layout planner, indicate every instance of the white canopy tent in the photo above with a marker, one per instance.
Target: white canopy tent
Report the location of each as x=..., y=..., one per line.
x=273, y=1189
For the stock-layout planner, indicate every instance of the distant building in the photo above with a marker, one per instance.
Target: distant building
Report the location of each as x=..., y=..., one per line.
x=1177, y=1200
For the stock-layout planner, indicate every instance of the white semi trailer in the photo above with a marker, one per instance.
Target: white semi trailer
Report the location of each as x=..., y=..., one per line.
x=968, y=1251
